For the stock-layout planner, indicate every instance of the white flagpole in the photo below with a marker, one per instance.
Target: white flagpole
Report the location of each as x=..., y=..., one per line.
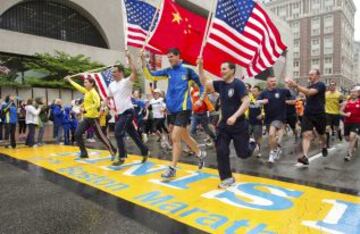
x=151, y=25
x=208, y=24
x=124, y=16
x=93, y=70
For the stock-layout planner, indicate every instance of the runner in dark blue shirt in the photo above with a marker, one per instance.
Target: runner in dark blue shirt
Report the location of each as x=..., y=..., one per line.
x=275, y=102
x=291, y=117
x=314, y=115
x=233, y=126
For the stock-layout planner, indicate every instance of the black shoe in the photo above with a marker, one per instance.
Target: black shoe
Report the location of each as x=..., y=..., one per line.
x=324, y=152
x=145, y=157
x=84, y=156
x=303, y=160
x=340, y=136
x=118, y=163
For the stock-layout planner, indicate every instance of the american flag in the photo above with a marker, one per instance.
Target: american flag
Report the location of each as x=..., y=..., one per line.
x=102, y=81
x=138, y=16
x=243, y=31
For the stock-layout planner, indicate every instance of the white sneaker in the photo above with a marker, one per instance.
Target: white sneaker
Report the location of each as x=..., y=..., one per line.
x=272, y=157
x=278, y=152
x=227, y=183
x=145, y=138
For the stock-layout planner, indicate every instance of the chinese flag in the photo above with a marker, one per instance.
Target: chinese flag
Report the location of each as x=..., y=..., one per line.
x=179, y=28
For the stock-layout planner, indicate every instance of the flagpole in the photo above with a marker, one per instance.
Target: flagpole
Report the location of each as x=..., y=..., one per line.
x=93, y=70
x=151, y=25
x=124, y=23
x=209, y=20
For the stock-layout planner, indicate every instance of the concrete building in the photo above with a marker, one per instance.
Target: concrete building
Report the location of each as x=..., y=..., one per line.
x=83, y=27
x=356, y=64
x=74, y=26
x=323, y=36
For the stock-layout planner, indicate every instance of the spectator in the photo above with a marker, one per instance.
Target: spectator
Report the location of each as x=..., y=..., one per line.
x=21, y=120
x=58, y=116
x=43, y=119
x=10, y=112
x=32, y=120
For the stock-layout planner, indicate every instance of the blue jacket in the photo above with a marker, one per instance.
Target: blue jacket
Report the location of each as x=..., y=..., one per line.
x=67, y=118
x=178, y=94
x=73, y=120
x=10, y=111
x=58, y=114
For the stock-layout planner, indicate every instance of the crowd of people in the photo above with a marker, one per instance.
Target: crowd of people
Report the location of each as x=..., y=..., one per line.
x=227, y=110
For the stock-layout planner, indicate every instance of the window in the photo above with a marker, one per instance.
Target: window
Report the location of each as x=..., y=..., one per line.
x=296, y=74
x=315, y=63
x=315, y=6
x=315, y=26
x=328, y=71
x=328, y=45
x=328, y=4
x=315, y=47
x=53, y=20
x=328, y=24
x=295, y=26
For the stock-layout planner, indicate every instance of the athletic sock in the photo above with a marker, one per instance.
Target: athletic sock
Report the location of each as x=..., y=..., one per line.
x=327, y=139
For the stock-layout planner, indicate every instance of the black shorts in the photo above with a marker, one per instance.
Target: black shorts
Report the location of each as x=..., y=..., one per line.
x=351, y=128
x=291, y=120
x=332, y=120
x=317, y=121
x=180, y=119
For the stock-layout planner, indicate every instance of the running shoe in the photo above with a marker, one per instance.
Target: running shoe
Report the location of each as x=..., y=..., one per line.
x=278, y=152
x=348, y=157
x=303, y=160
x=113, y=154
x=324, y=152
x=272, y=156
x=169, y=173
x=145, y=138
x=120, y=162
x=201, y=158
x=226, y=183
x=145, y=157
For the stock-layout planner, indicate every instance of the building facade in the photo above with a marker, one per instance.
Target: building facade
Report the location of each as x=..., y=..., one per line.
x=74, y=26
x=323, y=36
x=356, y=64
x=85, y=27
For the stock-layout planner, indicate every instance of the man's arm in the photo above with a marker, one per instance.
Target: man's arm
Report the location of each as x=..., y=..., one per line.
x=208, y=85
x=133, y=75
x=244, y=106
x=152, y=75
x=304, y=90
x=342, y=110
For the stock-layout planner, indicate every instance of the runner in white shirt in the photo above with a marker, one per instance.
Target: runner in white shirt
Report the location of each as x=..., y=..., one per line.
x=159, y=107
x=120, y=90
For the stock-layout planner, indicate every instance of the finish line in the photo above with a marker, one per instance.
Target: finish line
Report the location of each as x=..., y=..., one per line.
x=254, y=205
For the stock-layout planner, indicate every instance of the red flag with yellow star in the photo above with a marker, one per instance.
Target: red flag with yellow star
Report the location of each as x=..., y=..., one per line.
x=179, y=28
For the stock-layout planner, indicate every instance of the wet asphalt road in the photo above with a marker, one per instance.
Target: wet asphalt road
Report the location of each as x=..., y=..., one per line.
x=29, y=204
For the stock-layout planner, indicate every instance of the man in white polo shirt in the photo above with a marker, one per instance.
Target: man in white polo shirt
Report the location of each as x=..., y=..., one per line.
x=121, y=91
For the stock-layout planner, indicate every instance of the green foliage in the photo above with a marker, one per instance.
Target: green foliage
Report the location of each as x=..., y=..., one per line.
x=42, y=83
x=61, y=64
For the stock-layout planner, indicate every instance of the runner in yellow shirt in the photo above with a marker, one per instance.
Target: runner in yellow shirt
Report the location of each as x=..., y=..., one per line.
x=333, y=99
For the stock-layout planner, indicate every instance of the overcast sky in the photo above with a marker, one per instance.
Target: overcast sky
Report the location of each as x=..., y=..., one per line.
x=357, y=20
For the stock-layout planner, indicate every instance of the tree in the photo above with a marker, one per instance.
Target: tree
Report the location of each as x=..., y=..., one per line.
x=61, y=64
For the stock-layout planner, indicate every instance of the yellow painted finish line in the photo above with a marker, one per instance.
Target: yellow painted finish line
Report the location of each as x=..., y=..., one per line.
x=254, y=205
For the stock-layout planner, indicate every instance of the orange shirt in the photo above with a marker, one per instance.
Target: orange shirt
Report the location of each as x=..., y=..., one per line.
x=206, y=105
x=299, y=106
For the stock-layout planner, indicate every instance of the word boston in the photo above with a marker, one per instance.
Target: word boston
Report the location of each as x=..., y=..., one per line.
x=254, y=205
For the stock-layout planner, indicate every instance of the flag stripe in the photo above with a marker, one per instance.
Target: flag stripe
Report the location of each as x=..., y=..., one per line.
x=244, y=31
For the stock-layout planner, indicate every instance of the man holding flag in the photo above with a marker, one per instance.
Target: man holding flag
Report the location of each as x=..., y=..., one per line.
x=120, y=90
x=178, y=102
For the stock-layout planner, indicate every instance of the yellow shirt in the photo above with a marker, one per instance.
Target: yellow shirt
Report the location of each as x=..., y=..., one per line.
x=332, y=102
x=102, y=118
x=91, y=101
